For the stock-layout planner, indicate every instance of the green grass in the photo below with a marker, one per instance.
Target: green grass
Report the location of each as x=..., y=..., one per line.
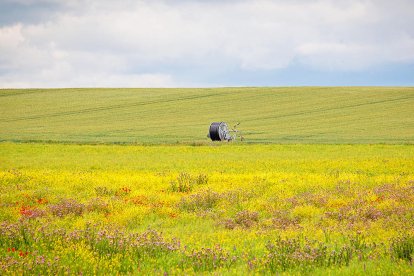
x=267, y=115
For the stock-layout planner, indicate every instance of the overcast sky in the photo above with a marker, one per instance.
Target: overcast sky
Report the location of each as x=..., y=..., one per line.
x=102, y=43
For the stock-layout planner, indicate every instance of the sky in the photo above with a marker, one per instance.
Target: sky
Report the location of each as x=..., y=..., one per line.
x=211, y=43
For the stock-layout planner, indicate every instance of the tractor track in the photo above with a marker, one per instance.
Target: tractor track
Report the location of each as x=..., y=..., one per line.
x=110, y=107
x=325, y=110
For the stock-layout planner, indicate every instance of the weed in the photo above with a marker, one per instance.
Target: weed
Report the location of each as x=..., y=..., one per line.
x=104, y=191
x=204, y=200
x=201, y=179
x=283, y=220
x=209, y=259
x=244, y=219
x=284, y=254
x=185, y=182
x=403, y=248
x=123, y=191
x=97, y=205
x=66, y=207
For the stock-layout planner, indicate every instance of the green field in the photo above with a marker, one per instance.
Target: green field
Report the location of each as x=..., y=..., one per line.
x=331, y=115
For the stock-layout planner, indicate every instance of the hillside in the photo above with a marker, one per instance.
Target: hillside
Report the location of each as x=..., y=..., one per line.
x=269, y=115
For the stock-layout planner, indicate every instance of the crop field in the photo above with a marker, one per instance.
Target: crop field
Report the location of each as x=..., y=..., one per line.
x=125, y=181
x=328, y=115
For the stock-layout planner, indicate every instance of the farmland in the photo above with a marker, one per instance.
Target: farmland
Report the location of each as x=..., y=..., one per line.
x=124, y=181
x=333, y=115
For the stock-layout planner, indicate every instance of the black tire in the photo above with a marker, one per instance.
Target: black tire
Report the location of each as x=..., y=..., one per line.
x=214, y=131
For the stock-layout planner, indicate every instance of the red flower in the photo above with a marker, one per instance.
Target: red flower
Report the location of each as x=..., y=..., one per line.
x=41, y=200
x=25, y=211
x=23, y=253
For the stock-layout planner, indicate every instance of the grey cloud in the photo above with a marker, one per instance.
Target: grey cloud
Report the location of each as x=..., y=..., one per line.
x=28, y=12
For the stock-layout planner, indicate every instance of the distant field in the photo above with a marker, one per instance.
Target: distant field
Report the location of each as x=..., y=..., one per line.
x=267, y=115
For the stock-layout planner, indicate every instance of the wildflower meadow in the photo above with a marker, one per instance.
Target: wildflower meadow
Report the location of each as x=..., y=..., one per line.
x=223, y=209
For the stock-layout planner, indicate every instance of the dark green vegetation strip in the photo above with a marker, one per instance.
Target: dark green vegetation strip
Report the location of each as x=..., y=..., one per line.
x=267, y=115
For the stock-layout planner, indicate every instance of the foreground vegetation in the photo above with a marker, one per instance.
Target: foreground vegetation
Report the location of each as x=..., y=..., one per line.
x=331, y=115
x=229, y=209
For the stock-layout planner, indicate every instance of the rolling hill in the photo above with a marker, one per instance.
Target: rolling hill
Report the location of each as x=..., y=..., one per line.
x=267, y=115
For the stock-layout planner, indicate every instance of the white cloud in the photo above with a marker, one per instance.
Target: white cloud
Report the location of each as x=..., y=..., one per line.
x=147, y=43
x=58, y=77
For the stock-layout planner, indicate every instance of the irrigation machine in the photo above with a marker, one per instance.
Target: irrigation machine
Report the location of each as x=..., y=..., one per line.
x=219, y=131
